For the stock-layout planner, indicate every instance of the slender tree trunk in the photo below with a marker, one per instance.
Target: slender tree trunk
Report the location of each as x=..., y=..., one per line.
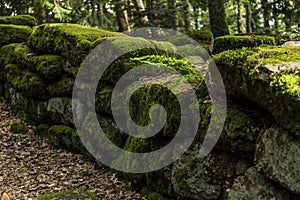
x=172, y=8
x=249, y=17
x=187, y=15
x=122, y=16
x=196, y=17
x=266, y=15
x=275, y=13
x=139, y=4
x=217, y=16
x=100, y=13
x=239, y=16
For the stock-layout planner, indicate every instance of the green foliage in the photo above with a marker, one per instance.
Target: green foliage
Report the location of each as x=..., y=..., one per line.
x=237, y=42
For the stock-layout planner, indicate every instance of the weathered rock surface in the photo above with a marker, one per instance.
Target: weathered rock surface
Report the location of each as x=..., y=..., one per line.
x=253, y=185
x=278, y=157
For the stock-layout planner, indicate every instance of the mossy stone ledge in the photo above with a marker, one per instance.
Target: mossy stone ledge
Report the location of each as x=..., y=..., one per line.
x=25, y=20
x=13, y=33
x=224, y=43
x=71, y=41
x=265, y=77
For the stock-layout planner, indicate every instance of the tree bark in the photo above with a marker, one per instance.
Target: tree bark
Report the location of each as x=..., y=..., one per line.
x=249, y=17
x=172, y=8
x=266, y=15
x=217, y=16
x=239, y=16
x=122, y=16
x=139, y=5
x=187, y=15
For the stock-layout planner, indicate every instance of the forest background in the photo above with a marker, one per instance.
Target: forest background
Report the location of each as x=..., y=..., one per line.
x=222, y=17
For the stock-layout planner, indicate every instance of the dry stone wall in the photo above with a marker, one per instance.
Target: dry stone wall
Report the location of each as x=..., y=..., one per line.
x=257, y=155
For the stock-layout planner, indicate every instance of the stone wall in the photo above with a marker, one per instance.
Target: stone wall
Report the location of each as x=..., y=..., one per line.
x=257, y=155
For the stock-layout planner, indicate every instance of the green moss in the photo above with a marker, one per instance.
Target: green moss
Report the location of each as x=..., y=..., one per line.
x=48, y=66
x=202, y=36
x=14, y=34
x=103, y=100
x=237, y=42
x=62, y=88
x=62, y=130
x=182, y=66
x=151, y=195
x=18, y=128
x=71, y=41
x=16, y=54
x=79, y=194
x=30, y=84
x=25, y=20
x=264, y=76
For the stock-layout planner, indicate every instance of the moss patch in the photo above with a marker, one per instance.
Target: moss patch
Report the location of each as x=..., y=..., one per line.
x=71, y=41
x=25, y=20
x=236, y=42
x=79, y=194
x=18, y=128
x=48, y=66
x=13, y=34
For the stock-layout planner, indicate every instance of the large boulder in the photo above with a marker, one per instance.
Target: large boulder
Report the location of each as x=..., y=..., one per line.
x=253, y=185
x=278, y=157
x=265, y=77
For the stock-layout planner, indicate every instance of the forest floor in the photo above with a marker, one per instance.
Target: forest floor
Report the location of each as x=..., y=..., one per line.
x=30, y=167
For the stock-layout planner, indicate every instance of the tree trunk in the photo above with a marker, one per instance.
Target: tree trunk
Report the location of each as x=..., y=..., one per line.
x=266, y=15
x=187, y=15
x=173, y=19
x=122, y=16
x=239, y=16
x=217, y=16
x=196, y=17
x=249, y=18
x=275, y=13
x=139, y=5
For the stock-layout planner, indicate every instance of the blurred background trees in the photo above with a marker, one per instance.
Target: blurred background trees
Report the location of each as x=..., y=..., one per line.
x=222, y=17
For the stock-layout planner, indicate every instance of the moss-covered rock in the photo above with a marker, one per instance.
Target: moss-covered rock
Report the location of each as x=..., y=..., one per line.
x=224, y=43
x=62, y=88
x=49, y=67
x=79, y=194
x=151, y=195
x=241, y=130
x=18, y=128
x=25, y=20
x=16, y=53
x=13, y=34
x=253, y=185
x=71, y=41
x=264, y=76
x=30, y=84
x=202, y=36
x=278, y=157
x=59, y=110
x=66, y=137
x=32, y=110
x=201, y=178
